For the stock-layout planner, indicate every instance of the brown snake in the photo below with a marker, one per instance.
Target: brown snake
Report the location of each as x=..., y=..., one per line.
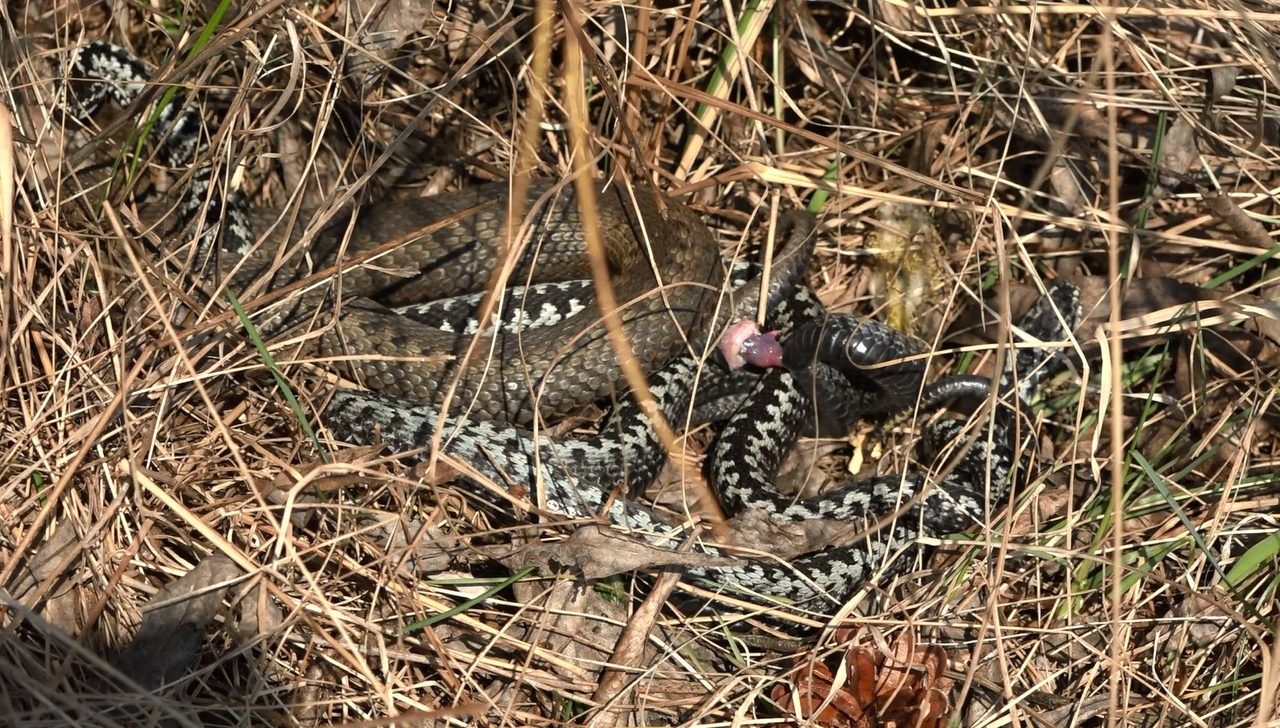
x=664, y=267
x=667, y=281
x=667, y=290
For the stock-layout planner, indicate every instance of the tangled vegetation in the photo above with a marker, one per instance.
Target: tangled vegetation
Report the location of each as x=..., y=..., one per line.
x=177, y=546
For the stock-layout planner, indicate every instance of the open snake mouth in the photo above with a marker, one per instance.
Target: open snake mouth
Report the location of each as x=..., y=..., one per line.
x=868, y=367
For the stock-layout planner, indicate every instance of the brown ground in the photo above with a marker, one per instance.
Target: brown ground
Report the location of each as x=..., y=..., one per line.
x=1132, y=580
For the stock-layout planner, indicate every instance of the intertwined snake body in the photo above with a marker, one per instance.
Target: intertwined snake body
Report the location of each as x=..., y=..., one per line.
x=666, y=288
x=664, y=266
x=667, y=274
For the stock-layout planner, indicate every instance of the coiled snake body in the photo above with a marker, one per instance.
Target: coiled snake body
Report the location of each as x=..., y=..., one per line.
x=669, y=290
x=551, y=369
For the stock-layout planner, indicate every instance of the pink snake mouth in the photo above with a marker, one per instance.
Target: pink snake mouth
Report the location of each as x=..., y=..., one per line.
x=744, y=343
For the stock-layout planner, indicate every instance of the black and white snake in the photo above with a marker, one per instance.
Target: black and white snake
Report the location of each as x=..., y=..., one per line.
x=868, y=365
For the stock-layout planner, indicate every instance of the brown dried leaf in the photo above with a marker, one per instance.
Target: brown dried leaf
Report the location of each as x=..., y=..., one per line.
x=913, y=689
x=172, y=632
x=593, y=552
x=256, y=615
x=382, y=26
x=812, y=698
x=1247, y=229
x=908, y=689
x=422, y=548
x=45, y=564
x=1177, y=151
x=1221, y=80
x=755, y=529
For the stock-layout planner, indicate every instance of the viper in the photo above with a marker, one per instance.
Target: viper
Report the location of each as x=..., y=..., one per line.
x=548, y=354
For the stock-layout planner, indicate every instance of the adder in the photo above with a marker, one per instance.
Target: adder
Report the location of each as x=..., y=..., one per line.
x=530, y=367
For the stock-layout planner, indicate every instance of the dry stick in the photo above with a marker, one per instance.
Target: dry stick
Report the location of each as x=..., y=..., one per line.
x=766, y=269
x=6, y=193
x=510, y=248
x=418, y=716
x=53, y=498
x=755, y=171
x=641, y=621
x=1112, y=13
x=609, y=84
x=727, y=72
x=1244, y=226
x=657, y=83
x=630, y=648
x=586, y=188
x=1117, y=649
x=8, y=300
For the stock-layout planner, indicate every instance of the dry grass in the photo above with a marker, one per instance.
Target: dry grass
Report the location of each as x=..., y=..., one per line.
x=1027, y=131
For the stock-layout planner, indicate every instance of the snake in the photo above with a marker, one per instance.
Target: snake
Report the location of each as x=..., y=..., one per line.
x=665, y=267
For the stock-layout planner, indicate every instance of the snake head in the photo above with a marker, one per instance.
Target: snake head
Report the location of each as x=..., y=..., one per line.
x=744, y=343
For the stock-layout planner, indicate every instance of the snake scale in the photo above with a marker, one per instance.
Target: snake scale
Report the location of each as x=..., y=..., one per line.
x=670, y=290
x=566, y=365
